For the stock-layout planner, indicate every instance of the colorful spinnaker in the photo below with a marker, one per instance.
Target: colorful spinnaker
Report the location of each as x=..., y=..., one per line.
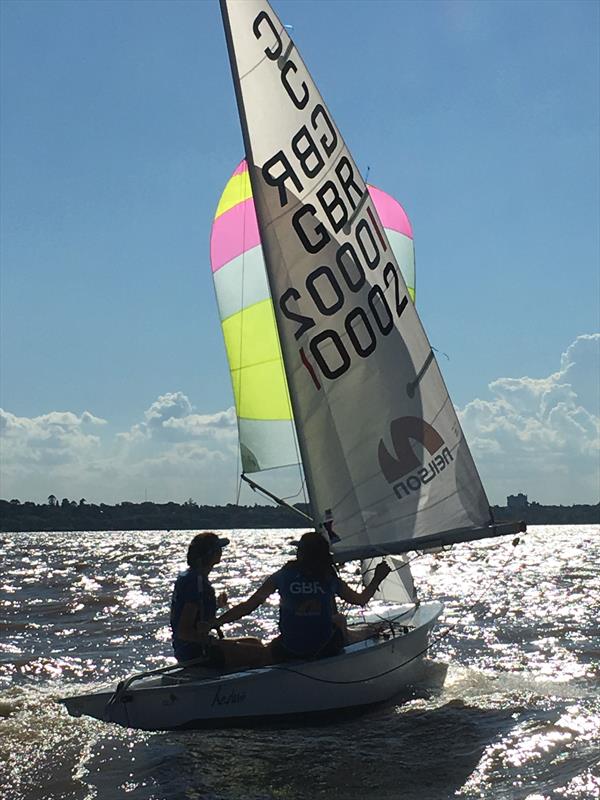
x=266, y=431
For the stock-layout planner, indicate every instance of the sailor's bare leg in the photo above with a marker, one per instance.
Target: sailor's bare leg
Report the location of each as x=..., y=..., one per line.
x=243, y=652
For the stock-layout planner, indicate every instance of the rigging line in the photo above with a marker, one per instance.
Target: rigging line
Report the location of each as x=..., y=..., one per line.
x=391, y=620
x=432, y=641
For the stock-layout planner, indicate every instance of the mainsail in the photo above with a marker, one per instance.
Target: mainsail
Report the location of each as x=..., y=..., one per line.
x=264, y=412
x=383, y=452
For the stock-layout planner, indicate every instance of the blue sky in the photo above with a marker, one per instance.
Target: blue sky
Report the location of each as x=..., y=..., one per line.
x=119, y=130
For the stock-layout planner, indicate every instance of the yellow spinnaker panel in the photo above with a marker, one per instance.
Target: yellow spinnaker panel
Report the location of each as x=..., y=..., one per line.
x=237, y=190
x=254, y=355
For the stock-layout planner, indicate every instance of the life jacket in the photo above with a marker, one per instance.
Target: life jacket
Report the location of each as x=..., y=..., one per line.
x=191, y=587
x=306, y=610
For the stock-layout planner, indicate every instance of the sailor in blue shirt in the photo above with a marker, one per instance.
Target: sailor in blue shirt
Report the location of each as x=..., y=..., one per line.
x=307, y=588
x=194, y=604
x=306, y=609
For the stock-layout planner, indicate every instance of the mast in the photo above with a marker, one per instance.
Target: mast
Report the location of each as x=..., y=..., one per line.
x=302, y=445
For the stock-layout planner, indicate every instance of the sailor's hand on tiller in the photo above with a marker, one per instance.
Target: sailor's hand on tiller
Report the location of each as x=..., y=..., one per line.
x=382, y=570
x=222, y=600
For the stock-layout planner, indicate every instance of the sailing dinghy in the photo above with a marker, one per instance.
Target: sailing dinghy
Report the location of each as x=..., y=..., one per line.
x=316, y=309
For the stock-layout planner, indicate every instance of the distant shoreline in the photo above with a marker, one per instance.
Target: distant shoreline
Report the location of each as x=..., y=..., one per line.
x=66, y=515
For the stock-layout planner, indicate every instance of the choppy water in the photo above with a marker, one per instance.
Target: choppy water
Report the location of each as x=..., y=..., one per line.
x=517, y=717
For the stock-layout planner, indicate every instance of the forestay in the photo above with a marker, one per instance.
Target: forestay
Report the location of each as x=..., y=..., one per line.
x=380, y=441
x=266, y=431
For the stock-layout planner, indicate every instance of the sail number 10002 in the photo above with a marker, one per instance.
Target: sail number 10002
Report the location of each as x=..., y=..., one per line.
x=329, y=292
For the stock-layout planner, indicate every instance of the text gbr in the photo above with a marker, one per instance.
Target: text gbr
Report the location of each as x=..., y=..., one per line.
x=346, y=207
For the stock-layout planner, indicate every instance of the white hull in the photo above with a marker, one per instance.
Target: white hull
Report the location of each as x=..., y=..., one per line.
x=364, y=673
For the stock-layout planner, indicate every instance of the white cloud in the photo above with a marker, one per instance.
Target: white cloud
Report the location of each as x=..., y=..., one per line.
x=580, y=366
x=175, y=453
x=172, y=453
x=32, y=449
x=542, y=435
x=173, y=405
x=57, y=437
x=171, y=419
x=536, y=435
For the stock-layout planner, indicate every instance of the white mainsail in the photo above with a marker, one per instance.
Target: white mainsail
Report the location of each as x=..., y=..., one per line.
x=383, y=452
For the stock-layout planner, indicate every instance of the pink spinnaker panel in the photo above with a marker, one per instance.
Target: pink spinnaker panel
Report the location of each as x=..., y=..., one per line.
x=233, y=233
x=390, y=212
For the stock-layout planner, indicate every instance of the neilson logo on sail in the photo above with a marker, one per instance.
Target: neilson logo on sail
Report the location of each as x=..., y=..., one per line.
x=405, y=462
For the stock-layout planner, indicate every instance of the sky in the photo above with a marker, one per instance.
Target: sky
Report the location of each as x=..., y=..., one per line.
x=119, y=131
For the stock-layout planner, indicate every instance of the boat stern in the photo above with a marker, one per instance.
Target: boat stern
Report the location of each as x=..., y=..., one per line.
x=97, y=705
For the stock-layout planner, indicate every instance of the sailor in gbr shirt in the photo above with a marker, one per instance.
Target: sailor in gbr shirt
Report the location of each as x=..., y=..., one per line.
x=307, y=586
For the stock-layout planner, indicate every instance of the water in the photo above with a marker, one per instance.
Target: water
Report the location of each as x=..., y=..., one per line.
x=518, y=715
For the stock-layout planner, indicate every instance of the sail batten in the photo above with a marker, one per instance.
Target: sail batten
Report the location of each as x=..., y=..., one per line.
x=385, y=459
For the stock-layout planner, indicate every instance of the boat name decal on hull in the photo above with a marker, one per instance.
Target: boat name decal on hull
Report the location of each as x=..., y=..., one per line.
x=223, y=698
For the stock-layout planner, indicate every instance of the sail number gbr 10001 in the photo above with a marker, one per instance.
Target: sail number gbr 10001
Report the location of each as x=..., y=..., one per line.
x=328, y=290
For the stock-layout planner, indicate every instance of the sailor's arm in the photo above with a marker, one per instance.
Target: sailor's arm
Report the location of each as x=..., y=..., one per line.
x=248, y=606
x=382, y=570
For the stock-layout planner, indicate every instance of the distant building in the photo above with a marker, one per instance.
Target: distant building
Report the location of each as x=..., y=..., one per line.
x=517, y=502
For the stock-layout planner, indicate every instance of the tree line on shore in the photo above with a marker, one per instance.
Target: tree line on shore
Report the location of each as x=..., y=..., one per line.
x=71, y=515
